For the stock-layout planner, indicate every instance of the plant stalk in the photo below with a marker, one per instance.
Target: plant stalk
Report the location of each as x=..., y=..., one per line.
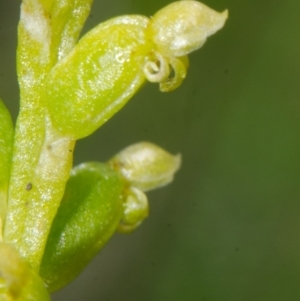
x=41, y=166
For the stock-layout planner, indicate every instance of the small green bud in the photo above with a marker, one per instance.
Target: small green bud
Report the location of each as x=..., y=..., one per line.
x=146, y=166
x=183, y=27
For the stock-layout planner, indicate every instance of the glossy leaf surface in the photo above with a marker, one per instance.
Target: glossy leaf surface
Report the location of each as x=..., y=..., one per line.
x=87, y=217
x=98, y=77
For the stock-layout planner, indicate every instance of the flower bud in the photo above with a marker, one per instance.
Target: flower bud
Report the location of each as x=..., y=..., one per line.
x=111, y=62
x=183, y=26
x=146, y=166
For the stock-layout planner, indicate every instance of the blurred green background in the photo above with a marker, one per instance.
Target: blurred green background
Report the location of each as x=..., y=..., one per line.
x=228, y=228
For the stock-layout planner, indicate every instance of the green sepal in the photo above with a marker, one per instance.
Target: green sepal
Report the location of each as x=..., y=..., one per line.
x=98, y=77
x=18, y=282
x=6, y=144
x=89, y=214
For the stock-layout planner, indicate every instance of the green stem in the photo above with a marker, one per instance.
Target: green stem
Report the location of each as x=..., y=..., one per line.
x=42, y=158
x=41, y=165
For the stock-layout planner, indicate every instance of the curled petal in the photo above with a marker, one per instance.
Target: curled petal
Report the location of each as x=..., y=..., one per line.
x=136, y=209
x=179, y=67
x=157, y=70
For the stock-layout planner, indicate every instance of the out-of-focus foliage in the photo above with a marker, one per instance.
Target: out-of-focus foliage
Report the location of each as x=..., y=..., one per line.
x=228, y=228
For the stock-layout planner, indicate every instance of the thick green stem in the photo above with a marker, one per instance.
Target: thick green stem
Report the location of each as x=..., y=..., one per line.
x=41, y=165
x=42, y=158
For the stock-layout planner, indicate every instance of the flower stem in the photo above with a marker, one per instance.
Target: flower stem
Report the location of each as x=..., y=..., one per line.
x=41, y=165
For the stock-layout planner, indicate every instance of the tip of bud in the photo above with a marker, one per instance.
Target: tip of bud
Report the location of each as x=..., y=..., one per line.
x=184, y=26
